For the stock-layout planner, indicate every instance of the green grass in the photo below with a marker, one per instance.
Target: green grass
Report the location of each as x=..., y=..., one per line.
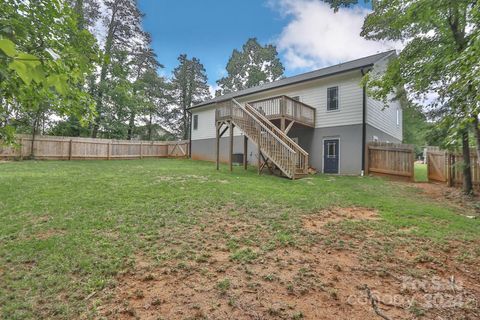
x=421, y=172
x=68, y=228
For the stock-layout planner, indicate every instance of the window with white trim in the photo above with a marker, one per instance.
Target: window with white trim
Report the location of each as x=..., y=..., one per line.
x=332, y=99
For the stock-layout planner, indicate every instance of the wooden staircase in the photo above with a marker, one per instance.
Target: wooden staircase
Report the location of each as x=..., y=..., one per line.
x=279, y=151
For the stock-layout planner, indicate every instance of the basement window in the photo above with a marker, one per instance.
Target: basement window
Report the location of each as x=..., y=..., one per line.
x=195, y=122
x=332, y=99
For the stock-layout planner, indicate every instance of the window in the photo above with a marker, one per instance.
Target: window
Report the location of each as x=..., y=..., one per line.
x=398, y=117
x=195, y=122
x=331, y=150
x=332, y=98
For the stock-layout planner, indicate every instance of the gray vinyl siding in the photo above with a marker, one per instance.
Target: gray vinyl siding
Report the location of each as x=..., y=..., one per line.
x=350, y=139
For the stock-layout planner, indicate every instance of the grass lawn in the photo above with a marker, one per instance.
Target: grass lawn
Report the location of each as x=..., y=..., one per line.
x=95, y=238
x=421, y=174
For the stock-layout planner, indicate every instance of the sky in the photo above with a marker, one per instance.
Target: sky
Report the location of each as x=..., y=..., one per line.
x=307, y=33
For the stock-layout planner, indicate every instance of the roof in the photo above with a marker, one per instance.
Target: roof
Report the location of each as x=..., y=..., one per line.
x=320, y=73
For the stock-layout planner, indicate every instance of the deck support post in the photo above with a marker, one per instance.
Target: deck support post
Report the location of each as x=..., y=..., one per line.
x=245, y=151
x=231, y=147
x=217, y=134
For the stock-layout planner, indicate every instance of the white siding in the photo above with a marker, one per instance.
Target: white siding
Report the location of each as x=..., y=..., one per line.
x=383, y=117
x=314, y=93
x=206, y=124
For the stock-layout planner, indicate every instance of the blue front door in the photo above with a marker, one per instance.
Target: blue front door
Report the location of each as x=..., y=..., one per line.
x=330, y=155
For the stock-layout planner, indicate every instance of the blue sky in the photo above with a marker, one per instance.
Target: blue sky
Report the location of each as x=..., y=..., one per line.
x=211, y=29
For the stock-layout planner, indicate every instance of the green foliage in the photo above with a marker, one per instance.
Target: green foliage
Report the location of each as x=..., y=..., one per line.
x=438, y=35
x=189, y=84
x=252, y=66
x=47, y=60
x=415, y=127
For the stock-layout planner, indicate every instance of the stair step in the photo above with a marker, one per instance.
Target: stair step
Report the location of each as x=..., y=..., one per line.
x=243, y=118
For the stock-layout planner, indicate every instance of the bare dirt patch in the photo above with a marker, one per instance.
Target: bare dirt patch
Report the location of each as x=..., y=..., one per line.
x=452, y=196
x=312, y=279
x=49, y=234
x=318, y=221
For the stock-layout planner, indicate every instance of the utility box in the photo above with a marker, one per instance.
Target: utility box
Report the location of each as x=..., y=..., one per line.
x=238, y=158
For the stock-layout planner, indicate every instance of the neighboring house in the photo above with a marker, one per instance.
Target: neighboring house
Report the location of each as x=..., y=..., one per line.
x=326, y=112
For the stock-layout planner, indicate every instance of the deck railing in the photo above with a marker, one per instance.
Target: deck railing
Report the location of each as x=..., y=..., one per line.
x=288, y=156
x=284, y=106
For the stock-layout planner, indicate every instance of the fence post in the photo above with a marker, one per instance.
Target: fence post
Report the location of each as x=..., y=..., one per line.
x=70, y=149
x=21, y=149
x=367, y=156
x=109, y=150
x=451, y=171
x=412, y=162
x=141, y=151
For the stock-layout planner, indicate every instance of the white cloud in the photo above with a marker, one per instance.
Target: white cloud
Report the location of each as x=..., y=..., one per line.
x=213, y=88
x=316, y=36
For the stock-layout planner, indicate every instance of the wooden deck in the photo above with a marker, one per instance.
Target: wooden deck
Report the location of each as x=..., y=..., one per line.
x=284, y=108
x=276, y=151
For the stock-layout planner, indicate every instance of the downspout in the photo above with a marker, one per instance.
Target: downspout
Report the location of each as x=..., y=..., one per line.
x=364, y=124
x=190, y=135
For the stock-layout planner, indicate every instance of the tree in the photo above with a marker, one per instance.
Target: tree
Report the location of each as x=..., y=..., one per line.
x=415, y=126
x=87, y=11
x=252, y=66
x=189, y=87
x=45, y=60
x=441, y=49
x=157, y=97
x=123, y=26
x=144, y=61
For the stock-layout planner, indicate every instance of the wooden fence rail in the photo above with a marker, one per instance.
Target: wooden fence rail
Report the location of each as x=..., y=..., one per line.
x=390, y=159
x=72, y=148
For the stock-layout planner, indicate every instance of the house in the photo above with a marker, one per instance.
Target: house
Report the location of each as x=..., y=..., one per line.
x=322, y=119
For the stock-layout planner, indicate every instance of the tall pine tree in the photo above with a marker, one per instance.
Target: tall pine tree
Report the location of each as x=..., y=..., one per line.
x=189, y=87
x=123, y=27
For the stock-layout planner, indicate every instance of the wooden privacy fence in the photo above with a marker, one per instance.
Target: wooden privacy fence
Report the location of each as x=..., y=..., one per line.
x=390, y=159
x=71, y=148
x=436, y=164
x=448, y=167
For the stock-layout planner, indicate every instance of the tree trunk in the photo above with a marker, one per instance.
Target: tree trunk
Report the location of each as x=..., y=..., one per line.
x=34, y=133
x=185, y=124
x=150, y=128
x=131, y=126
x=103, y=73
x=467, y=172
x=476, y=130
